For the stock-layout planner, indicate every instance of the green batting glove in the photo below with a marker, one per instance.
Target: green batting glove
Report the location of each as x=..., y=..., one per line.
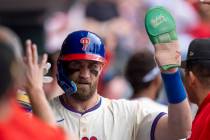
x=161, y=29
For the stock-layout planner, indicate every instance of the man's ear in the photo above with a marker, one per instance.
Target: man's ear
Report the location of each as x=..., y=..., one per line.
x=102, y=67
x=192, y=78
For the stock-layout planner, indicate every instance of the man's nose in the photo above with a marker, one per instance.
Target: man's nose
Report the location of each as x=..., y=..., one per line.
x=85, y=72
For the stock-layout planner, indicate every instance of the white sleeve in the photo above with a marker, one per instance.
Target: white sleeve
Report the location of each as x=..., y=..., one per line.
x=148, y=125
x=136, y=119
x=146, y=121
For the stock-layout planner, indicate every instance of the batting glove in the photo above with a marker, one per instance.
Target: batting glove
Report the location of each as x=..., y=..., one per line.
x=161, y=29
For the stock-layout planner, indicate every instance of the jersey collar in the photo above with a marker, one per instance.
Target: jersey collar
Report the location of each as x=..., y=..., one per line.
x=70, y=108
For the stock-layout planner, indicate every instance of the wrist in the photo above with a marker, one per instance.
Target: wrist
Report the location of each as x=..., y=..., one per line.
x=170, y=71
x=35, y=90
x=174, y=87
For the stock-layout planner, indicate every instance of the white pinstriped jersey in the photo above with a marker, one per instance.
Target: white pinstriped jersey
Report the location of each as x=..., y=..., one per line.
x=108, y=120
x=156, y=107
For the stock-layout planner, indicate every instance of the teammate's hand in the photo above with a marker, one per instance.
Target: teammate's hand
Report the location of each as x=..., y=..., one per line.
x=34, y=69
x=161, y=29
x=168, y=55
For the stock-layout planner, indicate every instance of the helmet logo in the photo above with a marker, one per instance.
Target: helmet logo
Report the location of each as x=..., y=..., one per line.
x=85, y=42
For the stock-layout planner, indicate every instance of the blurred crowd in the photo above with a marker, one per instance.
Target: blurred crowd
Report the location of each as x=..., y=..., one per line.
x=121, y=25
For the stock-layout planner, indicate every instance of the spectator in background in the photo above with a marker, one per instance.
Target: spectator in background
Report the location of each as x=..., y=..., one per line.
x=116, y=87
x=144, y=76
x=202, y=28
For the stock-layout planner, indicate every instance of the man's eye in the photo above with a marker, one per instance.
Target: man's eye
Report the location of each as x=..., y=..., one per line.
x=94, y=67
x=74, y=66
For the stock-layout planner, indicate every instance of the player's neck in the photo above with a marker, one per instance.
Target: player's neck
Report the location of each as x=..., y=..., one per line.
x=201, y=95
x=82, y=106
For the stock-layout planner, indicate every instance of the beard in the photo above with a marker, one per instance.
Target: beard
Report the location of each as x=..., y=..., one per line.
x=85, y=91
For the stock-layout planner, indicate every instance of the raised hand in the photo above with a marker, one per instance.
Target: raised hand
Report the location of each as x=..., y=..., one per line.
x=34, y=69
x=34, y=84
x=161, y=29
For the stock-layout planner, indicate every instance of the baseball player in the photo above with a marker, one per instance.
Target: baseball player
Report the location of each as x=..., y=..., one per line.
x=81, y=110
x=197, y=77
x=146, y=87
x=15, y=124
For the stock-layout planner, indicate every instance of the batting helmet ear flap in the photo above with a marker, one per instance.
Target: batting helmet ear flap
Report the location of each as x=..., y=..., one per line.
x=67, y=85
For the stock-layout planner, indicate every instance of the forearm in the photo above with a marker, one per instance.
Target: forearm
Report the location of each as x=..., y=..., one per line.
x=179, y=114
x=179, y=119
x=40, y=105
x=167, y=54
x=34, y=83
